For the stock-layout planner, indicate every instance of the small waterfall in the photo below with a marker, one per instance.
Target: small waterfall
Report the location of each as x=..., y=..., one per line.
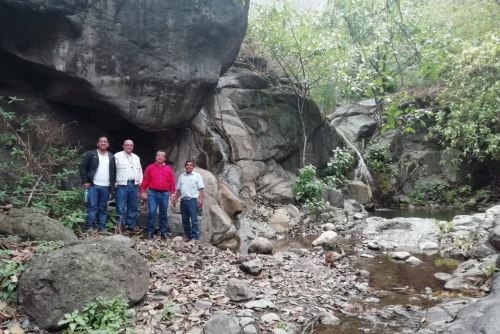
x=361, y=172
x=220, y=142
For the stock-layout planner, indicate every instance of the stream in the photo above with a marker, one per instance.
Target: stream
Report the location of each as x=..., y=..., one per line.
x=391, y=283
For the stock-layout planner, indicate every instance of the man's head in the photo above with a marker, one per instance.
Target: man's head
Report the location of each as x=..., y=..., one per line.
x=102, y=143
x=161, y=157
x=189, y=166
x=128, y=146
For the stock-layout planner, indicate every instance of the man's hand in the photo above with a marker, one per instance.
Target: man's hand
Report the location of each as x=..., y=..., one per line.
x=200, y=203
x=86, y=185
x=143, y=196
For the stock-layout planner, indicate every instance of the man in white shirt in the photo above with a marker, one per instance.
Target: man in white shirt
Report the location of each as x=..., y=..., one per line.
x=98, y=175
x=128, y=179
x=190, y=191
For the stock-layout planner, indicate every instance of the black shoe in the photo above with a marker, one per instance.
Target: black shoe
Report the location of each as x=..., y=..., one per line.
x=149, y=236
x=134, y=229
x=164, y=236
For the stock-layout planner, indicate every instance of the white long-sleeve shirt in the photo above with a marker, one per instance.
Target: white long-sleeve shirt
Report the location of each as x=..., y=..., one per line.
x=128, y=168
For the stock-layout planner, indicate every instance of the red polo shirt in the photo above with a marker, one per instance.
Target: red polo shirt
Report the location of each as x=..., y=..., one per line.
x=159, y=178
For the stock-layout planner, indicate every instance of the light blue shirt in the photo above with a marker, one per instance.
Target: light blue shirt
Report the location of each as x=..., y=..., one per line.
x=190, y=185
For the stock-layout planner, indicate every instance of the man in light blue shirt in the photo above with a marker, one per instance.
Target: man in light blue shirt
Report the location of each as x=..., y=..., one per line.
x=190, y=191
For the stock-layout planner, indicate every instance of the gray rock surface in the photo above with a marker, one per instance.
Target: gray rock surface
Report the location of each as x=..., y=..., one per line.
x=326, y=239
x=414, y=235
x=68, y=278
x=253, y=267
x=359, y=191
x=355, y=120
x=480, y=316
x=34, y=224
x=152, y=63
x=222, y=324
x=238, y=290
x=261, y=246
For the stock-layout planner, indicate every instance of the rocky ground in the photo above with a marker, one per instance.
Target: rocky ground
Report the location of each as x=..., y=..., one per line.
x=198, y=288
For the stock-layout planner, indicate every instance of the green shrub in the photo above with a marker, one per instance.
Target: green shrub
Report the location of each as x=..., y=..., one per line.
x=41, y=169
x=307, y=186
x=167, y=313
x=9, y=276
x=443, y=194
x=308, y=190
x=339, y=167
x=490, y=270
x=102, y=316
x=48, y=246
x=379, y=161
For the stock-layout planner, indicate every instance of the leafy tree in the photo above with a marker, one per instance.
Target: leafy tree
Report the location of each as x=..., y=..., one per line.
x=303, y=50
x=383, y=43
x=470, y=119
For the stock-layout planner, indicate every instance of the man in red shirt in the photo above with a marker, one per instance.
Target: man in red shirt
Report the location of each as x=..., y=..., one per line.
x=159, y=181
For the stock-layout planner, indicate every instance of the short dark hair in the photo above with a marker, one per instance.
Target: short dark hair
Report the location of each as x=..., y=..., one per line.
x=103, y=136
x=161, y=150
x=189, y=161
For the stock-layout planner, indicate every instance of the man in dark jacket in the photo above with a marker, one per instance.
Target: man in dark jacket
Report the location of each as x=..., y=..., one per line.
x=98, y=174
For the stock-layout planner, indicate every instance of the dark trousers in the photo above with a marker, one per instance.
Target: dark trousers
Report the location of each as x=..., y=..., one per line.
x=157, y=199
x=97, y=205
x=126, y=201
x=190, y=221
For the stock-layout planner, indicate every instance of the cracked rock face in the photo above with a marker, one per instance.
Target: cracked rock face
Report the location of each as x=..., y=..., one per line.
x=151, y=62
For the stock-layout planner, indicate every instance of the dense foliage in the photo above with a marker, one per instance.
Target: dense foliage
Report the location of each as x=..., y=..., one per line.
x=446, y=50
x=107, y=316
x=339, y=166
x=40, y=170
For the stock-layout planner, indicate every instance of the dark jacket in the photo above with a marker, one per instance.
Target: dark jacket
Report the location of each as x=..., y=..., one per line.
x=89, y=164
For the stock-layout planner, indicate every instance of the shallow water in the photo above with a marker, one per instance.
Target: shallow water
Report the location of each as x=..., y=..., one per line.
x=400, y=283
x=393, y=283
x=284, y=245
x=436, y=213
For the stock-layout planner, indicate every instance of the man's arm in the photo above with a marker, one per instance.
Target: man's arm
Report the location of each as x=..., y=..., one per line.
x=200, y=198
x=176, y=197
x=172, y=188
x=140, y=170
x=83, y=170
x=145, y=183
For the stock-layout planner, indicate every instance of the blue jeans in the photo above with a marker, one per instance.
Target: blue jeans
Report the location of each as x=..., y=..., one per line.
x=97, y=205
x=126, y=198
x=157, y=199
x=190, y=222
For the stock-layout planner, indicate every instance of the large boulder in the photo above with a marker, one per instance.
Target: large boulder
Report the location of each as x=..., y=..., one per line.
x=493, y=215
x=34, y=224
x=68, y=278
x=151, y=62
x=476, y=317
x=355, y=121
x=224, y=234
x=359, y=191
x=229, y=201
x=262, y=123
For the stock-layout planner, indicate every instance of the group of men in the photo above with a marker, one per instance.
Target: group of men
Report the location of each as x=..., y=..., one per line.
x=101, y=172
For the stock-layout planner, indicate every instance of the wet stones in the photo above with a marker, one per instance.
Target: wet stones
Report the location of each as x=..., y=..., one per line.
x=326, y=239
